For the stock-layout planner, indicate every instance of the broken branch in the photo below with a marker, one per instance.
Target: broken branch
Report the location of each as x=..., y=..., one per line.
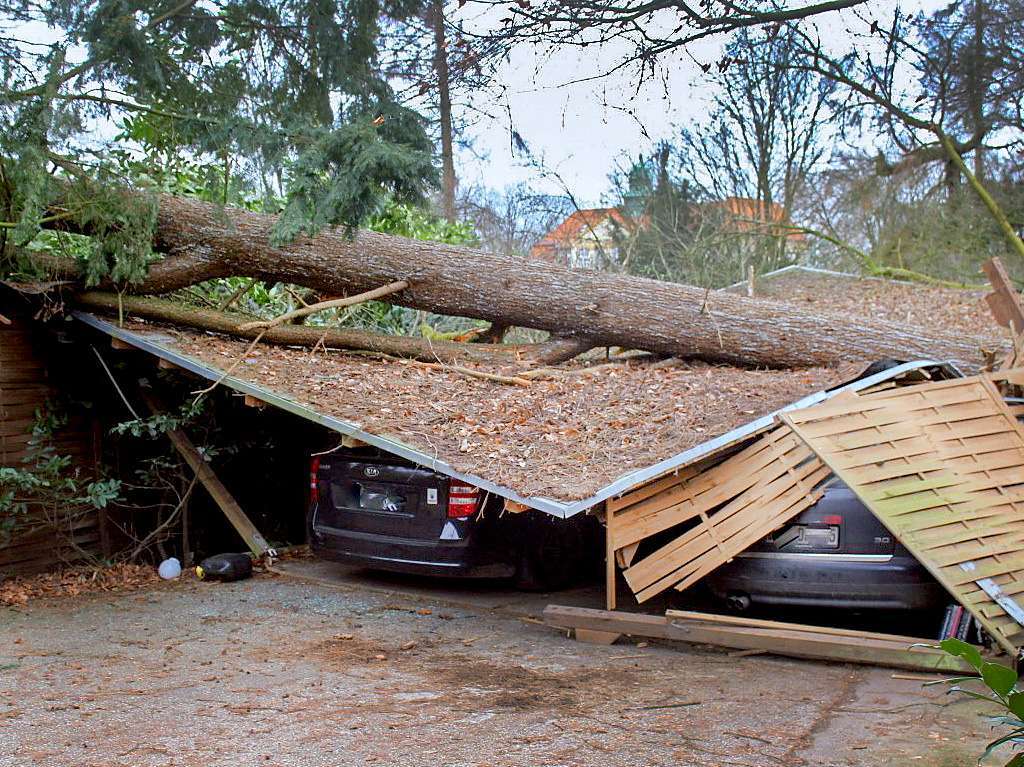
x=337, y=303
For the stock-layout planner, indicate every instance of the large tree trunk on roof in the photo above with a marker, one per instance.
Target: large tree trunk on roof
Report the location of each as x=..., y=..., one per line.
x=204, y=241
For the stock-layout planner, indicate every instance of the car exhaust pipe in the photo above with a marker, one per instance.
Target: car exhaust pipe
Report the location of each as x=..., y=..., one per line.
x=738, y=602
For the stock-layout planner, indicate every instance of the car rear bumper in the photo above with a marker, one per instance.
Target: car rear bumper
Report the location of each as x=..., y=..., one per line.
x=462, y=559
x=841, y=581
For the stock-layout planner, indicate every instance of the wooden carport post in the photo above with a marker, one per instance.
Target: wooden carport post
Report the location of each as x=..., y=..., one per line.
x=595, y=636
x=609, y=555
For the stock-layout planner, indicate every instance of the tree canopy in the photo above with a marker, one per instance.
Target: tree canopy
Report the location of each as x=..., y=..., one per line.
x=289, y=97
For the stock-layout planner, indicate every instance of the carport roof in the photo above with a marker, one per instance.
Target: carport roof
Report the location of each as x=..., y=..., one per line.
x=603, y=433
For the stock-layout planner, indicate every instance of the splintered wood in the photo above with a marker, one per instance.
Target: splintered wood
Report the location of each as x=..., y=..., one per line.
x=721, y=511
x=942, y=466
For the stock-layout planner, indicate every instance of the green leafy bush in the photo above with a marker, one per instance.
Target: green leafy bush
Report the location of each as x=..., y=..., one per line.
x=49, y=483
x=999, y=685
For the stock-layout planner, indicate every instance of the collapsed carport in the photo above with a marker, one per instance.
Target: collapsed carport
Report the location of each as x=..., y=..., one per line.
x=782, y=482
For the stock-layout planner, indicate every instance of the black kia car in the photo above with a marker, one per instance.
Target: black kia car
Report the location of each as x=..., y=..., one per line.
x=373, y=509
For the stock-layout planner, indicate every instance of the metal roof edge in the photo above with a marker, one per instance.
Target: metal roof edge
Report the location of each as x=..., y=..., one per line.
x=555, y=508
x=695, y=453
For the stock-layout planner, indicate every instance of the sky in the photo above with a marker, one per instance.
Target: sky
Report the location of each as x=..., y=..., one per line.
x=577, y=129
x=580, y=130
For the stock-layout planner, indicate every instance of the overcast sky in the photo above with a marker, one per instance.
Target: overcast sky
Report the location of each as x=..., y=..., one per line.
x=578, y=129
x=583, y=130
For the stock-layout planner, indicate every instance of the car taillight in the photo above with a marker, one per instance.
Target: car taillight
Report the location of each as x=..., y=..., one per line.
x=462, y=501
x=832, y=519
x=314, y=486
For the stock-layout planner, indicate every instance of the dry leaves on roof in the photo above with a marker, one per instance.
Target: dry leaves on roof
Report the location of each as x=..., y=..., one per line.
x=563, y=437
x=926, y=306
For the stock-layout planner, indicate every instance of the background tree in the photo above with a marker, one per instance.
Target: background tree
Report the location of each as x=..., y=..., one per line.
x=512, y=220
x=291, y=96
x=768, y=127
x=438, y=68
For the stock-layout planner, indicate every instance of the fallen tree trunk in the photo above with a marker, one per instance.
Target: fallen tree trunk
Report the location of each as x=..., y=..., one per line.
x=422, y=349
x=203, y=241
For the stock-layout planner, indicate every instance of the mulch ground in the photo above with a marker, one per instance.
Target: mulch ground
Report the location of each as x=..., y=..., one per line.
x=939, y=308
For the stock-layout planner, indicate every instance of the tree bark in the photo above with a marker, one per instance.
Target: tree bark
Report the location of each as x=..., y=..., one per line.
x=204, y=241
x=448, y=352
x=444, y=109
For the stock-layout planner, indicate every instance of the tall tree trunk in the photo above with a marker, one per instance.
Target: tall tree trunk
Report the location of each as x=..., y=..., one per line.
x=205, y=241
x=444, y=108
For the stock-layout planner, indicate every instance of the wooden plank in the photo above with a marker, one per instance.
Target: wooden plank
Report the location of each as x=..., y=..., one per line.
x=796, y=641
x=712, y=488
x=751, y=516
x=1004, y=301
x=220, y=494
x=596, y=637
x=743, y=620
x=609, y=556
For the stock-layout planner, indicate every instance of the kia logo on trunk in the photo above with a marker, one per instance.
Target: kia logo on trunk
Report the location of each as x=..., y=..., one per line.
x=371, y=471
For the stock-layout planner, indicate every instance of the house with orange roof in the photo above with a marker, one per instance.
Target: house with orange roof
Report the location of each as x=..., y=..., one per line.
x=586, y=239
x=744, y=214
x=591, y=238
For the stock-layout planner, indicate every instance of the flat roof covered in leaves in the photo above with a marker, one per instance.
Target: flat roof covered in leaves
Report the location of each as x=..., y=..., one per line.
x=562, y=444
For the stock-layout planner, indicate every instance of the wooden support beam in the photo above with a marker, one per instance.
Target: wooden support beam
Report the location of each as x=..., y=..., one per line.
x=166, y=364
x=208, y=478
x=794, y=640
x=609, y=556
x=118, y=345
x=1004, y=301
x=251, y=401
x=596, y=637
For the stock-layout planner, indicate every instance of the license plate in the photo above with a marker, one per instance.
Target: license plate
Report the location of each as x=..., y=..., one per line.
x=817, y=538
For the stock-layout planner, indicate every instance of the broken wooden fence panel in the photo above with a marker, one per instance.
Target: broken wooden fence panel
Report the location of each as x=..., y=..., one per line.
x=942, y=466
x=726, y=508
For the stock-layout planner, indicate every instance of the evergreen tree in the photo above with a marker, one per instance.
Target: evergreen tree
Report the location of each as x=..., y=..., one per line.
x=661, y=234
x=288, y=94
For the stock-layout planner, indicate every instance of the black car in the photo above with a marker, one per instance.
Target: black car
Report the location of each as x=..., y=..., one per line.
x=373, y=509
x=835, y=554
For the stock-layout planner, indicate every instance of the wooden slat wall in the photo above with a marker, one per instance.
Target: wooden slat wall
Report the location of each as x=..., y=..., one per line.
x=942, y=466
x=721, y=511
x=38, y=542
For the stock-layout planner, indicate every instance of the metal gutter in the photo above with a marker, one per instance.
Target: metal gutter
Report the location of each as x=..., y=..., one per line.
x=621, y=485
x=814, y=270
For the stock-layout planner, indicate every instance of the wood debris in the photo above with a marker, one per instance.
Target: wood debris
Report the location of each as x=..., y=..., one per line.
x=942, y=467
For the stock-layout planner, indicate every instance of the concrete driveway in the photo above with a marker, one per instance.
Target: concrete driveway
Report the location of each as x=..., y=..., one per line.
x=331, y=667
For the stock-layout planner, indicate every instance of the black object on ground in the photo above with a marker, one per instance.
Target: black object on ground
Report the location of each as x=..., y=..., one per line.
x=225, y=567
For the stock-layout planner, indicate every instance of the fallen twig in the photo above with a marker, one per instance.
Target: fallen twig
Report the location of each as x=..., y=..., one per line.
x=336, y=303
x=667, y=705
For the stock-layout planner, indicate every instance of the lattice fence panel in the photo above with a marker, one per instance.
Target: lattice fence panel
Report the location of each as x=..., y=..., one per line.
x=721, y=511
x=942, y=466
